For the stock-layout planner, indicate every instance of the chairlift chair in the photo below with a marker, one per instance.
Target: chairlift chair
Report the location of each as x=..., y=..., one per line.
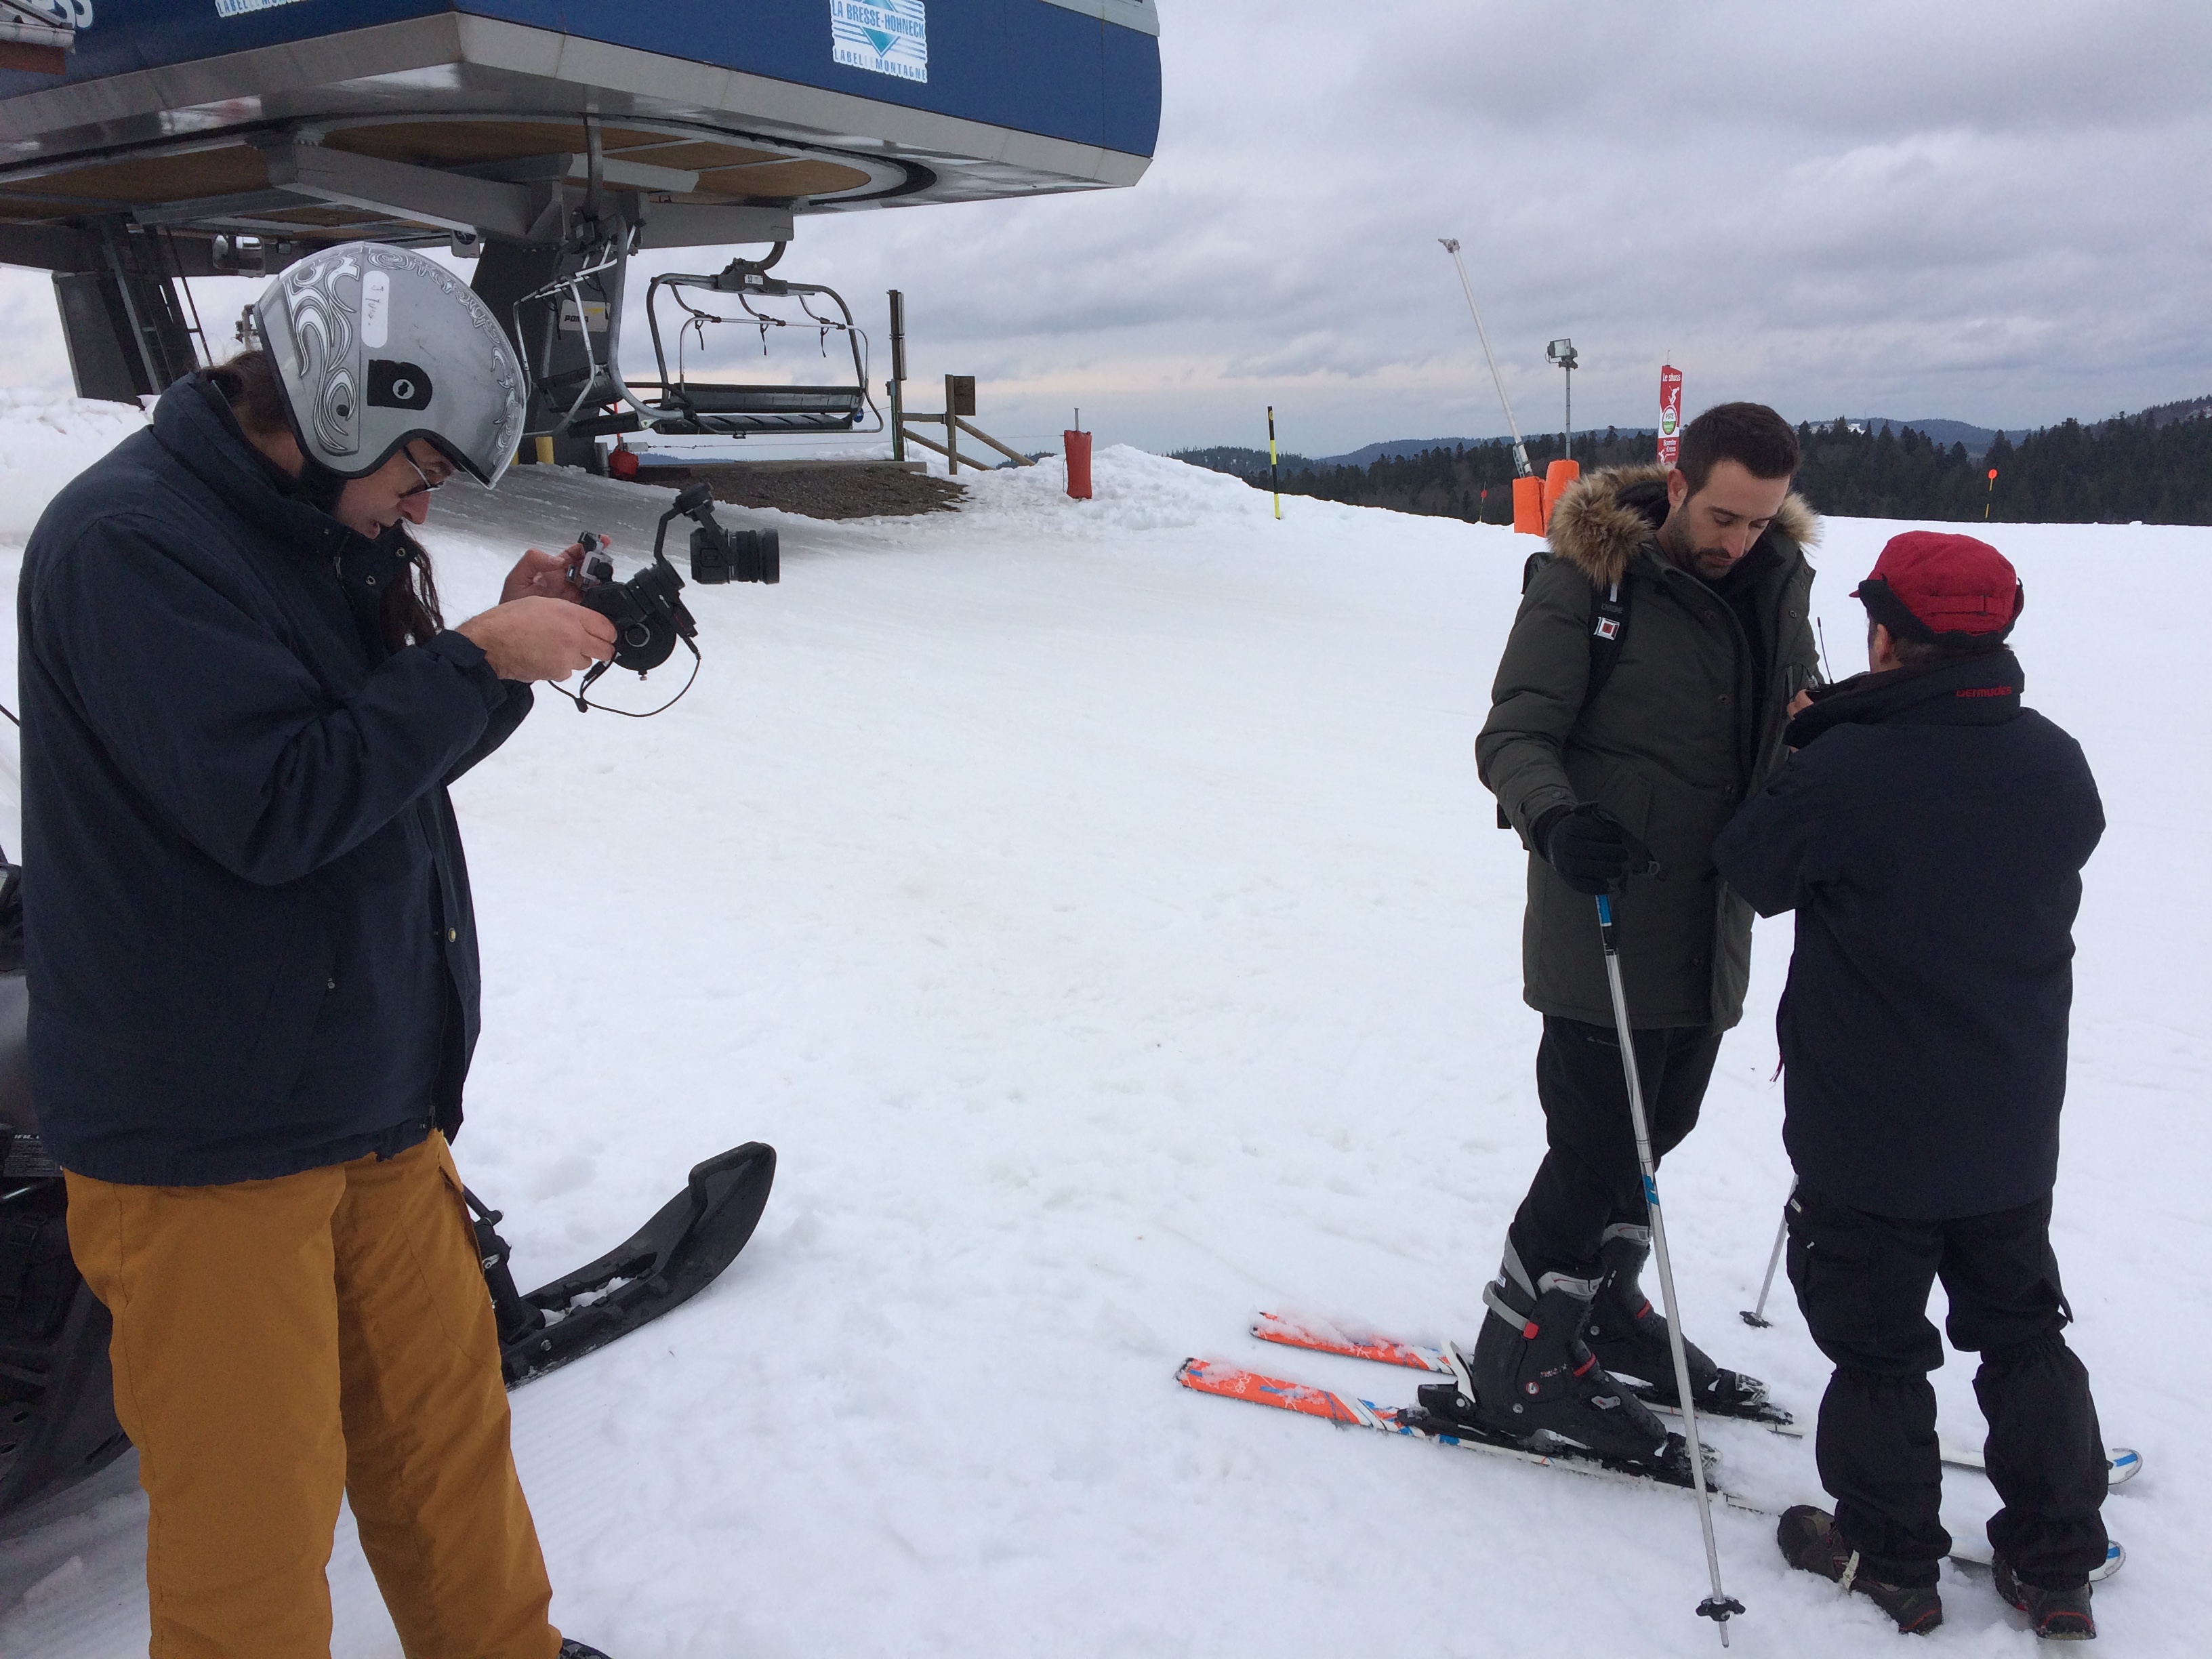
x=574, y=382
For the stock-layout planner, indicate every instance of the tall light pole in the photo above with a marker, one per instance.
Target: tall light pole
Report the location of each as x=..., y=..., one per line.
x=1562, y=352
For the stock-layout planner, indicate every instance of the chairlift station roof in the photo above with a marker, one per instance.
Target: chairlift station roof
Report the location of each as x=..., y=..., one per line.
x=718, y=121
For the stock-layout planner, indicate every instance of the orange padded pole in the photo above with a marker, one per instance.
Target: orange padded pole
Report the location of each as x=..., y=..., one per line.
x=1529, y=506
x=1556, y=477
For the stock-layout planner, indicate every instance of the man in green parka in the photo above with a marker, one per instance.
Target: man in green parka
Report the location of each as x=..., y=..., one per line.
x=1640, y=700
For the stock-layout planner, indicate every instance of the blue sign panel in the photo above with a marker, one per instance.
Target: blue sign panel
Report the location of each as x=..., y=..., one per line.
x=1025, y=64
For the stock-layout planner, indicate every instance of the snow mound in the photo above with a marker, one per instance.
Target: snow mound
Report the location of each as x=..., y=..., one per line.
x=1132, y=492
x=44, y=441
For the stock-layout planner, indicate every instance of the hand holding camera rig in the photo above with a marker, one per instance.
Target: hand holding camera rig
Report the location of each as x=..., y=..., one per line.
x=647, y=615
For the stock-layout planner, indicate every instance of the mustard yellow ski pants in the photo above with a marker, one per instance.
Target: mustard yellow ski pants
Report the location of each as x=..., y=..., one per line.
x=280, y=1342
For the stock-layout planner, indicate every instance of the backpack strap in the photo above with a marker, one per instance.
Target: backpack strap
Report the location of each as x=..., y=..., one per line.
x=1608, y=631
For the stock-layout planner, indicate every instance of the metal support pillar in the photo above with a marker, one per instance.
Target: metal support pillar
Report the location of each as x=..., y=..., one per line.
x=896, y=386
x=126, y=336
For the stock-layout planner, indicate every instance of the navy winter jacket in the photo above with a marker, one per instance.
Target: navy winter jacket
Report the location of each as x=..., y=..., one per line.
x=250, y=948
x=1930, y=833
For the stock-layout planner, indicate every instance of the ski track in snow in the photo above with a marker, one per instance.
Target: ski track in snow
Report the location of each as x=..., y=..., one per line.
x=1097, y=907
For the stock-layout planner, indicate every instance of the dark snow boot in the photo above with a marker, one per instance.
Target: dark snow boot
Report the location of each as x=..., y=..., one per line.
x=1533, y=1376
x=2055, y=1615
x=1810, y=1543
x=1629, y=1335
x=574, y=1650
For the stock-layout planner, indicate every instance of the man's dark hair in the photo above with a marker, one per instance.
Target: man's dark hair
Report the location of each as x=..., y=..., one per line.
x=1944, y=648
x=1751, y=435
x=411, y=613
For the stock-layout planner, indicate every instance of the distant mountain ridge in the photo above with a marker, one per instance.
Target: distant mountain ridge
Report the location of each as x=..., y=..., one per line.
x=1977, y=438
x=2153, y=466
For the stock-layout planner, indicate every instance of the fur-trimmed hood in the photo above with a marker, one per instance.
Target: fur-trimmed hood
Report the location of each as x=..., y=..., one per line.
x=1604, y=518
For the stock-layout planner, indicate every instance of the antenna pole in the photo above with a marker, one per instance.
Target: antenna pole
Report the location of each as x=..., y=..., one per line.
x=1520, y=450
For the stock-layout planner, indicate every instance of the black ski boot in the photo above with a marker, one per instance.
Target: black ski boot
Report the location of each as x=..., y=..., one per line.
x=1810, y=1543
x=1629, y=1335
x=572, y=1649
x=1533, y=1377
x=2055, y=1615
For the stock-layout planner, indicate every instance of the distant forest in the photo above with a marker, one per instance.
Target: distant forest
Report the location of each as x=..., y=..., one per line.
x=2156, y=466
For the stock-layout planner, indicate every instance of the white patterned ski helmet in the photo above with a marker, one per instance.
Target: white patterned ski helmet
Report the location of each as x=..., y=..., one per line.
x=375, y=345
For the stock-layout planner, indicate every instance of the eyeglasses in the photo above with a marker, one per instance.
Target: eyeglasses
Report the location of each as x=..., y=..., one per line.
x=428, y=484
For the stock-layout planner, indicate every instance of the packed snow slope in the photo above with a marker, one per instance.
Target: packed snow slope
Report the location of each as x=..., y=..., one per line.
x=1095, y=905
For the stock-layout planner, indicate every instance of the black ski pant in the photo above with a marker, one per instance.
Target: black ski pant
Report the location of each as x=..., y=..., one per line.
x=1863, y=1281
x=1590, y=1177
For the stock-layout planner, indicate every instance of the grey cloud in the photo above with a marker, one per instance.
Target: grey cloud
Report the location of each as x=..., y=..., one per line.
x=1994, y=211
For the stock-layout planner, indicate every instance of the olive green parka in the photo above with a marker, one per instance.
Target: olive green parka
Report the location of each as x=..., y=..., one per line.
x=1671, y=745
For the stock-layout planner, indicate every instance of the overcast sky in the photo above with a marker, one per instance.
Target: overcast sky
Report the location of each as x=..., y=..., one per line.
x=1991, y=212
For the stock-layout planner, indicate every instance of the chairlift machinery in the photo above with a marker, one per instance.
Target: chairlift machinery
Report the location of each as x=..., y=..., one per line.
x=144, y=141
x=568, y=331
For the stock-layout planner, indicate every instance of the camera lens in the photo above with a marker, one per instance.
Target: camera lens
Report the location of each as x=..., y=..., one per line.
x=719, y=556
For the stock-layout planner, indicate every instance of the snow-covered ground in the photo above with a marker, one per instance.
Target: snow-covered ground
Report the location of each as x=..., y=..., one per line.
x=1097, y=907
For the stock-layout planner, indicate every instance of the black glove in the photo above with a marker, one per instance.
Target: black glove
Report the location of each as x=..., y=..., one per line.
x=1592, y=849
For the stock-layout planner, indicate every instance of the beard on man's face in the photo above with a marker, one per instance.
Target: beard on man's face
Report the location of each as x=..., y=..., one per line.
x=1675, y=538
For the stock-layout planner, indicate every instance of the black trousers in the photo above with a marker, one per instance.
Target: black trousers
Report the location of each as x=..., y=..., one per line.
x=1863, y=1281
x=1589, y=1178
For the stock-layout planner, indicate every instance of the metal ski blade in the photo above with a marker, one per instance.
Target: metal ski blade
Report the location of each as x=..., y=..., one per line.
x=2125, y=1461
x=1292, y=1333
x=1348, y=1411
x=671, y=1259
x=1764, y=1414
x=1315, y=1339
x=1231, y=1382
x=1976, y=1553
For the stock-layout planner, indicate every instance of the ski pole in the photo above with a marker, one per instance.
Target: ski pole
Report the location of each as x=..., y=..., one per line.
x=1719, y=1607
x=1756, y=1315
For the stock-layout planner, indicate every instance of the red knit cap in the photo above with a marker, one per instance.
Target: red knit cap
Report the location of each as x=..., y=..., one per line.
x=1927, y=583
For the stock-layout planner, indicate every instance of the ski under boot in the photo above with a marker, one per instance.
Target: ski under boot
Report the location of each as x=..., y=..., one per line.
x=1629, y=1335
x=2055, y=1615
x=1810, y=1543
x=1533, y=1378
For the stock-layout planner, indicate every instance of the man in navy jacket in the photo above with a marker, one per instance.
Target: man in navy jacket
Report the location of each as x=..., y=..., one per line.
x=1929, y=832
x=252, y=965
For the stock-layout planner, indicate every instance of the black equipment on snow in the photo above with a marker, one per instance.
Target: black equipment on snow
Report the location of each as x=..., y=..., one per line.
x=1632, y=1339
x=57, y=1423
x=648, y=617
x=672, y=1258
x=1531, y=1377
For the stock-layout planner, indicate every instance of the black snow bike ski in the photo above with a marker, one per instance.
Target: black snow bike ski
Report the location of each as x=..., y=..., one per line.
x=57, y=1423
x=671, y=1259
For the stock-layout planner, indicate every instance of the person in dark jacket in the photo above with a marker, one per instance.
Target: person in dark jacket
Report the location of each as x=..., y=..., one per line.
x=252, y=960
x=1640, y=700
x=1929, y=832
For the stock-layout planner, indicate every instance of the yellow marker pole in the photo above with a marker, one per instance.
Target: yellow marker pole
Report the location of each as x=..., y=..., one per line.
x=1990, y=495
x=1274, y=474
